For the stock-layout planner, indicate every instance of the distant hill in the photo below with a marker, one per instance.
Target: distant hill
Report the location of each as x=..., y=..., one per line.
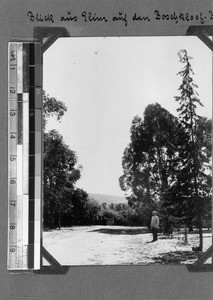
x=100, y=198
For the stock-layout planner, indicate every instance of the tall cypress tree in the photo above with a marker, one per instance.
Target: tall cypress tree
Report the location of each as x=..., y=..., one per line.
x=194, y=184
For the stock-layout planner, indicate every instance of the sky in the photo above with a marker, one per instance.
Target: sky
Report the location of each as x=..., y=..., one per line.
x=105, y=82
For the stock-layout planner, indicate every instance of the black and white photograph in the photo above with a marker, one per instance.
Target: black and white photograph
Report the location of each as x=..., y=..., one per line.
x=127, y=150
x=106, y=149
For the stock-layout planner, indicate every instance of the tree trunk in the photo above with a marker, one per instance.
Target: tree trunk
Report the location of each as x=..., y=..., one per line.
x=200, y=220
x=59, y=218
x=185, y=235
x=200, y=233
x=190, y=228
x=52, y=221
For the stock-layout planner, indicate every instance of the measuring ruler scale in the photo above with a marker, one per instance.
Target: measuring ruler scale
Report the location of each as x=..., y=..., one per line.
x=25, y=148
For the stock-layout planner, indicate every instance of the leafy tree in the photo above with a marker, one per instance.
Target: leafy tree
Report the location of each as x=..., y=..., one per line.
x=111, y=206
x=60, y=175
x=85, y=210
x=63, y=202
x=52, y=107
x=150, y=160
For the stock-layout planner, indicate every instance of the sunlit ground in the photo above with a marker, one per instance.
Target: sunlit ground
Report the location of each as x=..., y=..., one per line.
x=120, y=245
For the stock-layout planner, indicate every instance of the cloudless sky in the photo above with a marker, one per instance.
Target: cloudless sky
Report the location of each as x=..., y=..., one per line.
x=105, y=82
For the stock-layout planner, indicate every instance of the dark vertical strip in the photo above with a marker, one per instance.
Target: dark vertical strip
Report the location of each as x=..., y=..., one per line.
x=31, y=54
x=32, y=143
x=38, y=53
x=20, y=123
x=31, y=76
x=40, y=106
x=25, y=68
x=31, y=227
x=20, y=97
x=32, y=120
x=20, y=119
x=31, y=83
x=38, y=68
x=32, y=166
x=30, y=255
x=31, y=97
x=31, y=188
x=31, y=219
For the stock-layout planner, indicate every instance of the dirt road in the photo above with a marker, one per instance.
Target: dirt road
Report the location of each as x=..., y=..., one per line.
x=118, y=245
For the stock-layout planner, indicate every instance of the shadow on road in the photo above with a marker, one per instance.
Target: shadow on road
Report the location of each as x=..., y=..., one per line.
x=121, y=231
x=176, y=257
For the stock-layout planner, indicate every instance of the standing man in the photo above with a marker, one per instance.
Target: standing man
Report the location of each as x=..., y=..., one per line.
x=154, y=225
